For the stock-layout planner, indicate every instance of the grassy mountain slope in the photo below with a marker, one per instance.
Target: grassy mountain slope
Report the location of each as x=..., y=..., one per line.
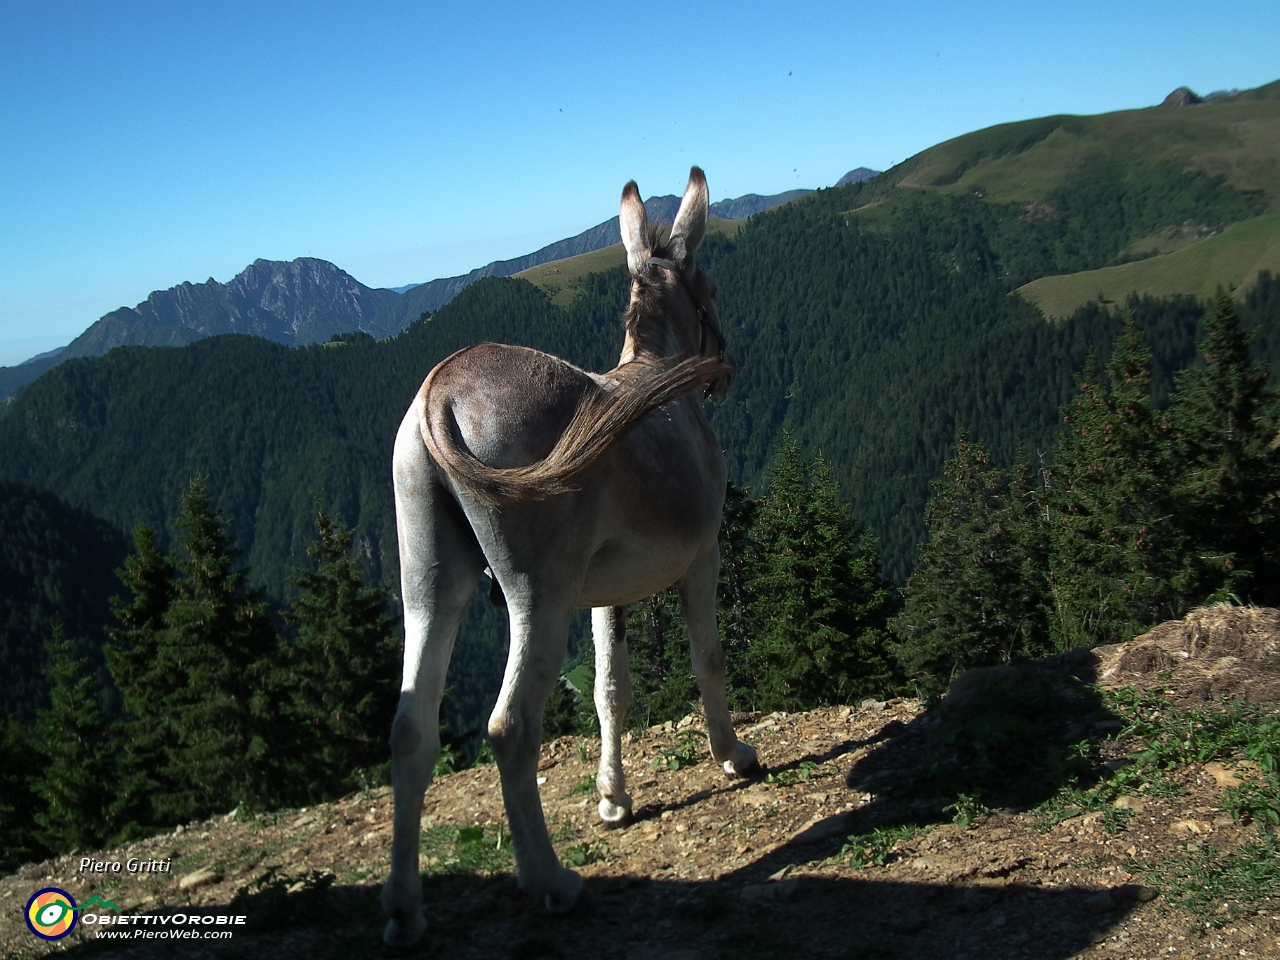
x=1236, y=138
x=1232, y=141
x=1231, y=260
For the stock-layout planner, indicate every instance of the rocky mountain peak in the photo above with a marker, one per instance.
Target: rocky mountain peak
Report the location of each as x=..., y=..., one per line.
x=1182, y=97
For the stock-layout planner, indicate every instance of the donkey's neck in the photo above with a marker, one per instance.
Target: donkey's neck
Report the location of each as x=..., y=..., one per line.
x=661, y=325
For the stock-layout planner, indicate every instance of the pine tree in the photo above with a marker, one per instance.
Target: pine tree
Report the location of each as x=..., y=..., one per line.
x=820, y=606
x=1226, y=424
x=224, y=644
x=341, y=667
x=148, y=678
x=75, y=773
x=192, y=659
x=977, y=594
x=1119, y=562
x=734, y=608
x=662, y=682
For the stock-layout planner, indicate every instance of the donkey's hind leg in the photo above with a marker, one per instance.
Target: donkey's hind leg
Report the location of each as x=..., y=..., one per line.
x=539, y=636
x=698, y=602
x=613, y=696
x=440, y=564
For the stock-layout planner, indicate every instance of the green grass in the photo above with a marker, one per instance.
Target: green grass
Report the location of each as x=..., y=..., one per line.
x=1021, y=162
x=686, y=752
x=559, y=278
x=1232, y=260
x=878, y=847
x=483, y=848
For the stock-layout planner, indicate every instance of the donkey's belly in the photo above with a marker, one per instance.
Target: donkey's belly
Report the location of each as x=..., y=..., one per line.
x=617, y=576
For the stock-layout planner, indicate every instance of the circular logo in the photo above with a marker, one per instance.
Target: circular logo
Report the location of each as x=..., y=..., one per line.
x=51, y=913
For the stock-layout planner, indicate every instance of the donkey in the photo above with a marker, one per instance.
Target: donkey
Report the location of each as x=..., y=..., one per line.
x=575, y=490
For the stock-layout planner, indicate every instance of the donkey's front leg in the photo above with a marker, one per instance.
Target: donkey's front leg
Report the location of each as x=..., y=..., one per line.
x=515, y=730
x=698, y=601
x=613, y=696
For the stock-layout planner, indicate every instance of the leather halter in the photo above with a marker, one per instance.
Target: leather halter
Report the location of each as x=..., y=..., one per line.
x=697, y=305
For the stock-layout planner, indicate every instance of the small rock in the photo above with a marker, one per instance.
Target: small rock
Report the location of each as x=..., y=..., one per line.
x=873, y=705
x=198, y=879
x=1223, y=776
x=1135, y=891
x=303, y=820
x=1100, y=902
x=1129, y=803
x=1191, y=828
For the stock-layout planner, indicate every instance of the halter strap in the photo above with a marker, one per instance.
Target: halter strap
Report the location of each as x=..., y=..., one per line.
x=697, y=304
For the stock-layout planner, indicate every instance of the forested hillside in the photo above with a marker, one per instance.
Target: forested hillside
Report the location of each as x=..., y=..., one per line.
x=57, y=571
x=873, y=322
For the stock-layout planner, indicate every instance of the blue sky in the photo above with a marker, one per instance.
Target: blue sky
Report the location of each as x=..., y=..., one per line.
x=143, y=144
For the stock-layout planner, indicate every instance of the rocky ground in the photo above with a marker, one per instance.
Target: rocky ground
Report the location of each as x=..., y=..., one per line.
x=712, y=868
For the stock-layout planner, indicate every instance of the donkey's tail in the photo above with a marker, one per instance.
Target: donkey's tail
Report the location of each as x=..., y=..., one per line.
x=601, y=419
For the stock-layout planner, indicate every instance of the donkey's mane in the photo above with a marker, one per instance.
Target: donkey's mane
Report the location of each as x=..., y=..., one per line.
x=645, y=294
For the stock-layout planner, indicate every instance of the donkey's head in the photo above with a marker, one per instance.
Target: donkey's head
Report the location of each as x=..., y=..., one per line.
x=672, y=312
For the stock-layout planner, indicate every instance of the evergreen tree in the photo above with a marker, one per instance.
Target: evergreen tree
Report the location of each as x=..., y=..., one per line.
x=20, y=762
x=193, y=660
x=1119, y=562
x=1226, y=424
x=342, y=665
x=733, y=599
x=663, y=686
x=977, y=594
x=148, y=677
x=223, y=642
x=73, y=784
x=820, y=606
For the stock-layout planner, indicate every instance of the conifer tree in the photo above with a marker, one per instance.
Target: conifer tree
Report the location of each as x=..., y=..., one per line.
x=341, y=665
x=663, y=686
x=1226, y=424
x=977, y=594
x=733, y=599
x=74, y=782
x=223, y=642
x=820, y=606
x=1119, y=562
x=193, y=659
x=148, y=677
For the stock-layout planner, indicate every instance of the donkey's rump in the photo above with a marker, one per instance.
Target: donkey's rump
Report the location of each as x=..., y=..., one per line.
x=512, y=424
x=504, y=406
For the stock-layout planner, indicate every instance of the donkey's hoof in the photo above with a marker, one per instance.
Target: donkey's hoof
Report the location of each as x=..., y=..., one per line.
x=744, y=764
x=406, y=933
x=615, y=814
x=564, y=897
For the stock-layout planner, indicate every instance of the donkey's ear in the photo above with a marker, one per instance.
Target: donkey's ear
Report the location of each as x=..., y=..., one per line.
x=691, y=221
x=634, y=224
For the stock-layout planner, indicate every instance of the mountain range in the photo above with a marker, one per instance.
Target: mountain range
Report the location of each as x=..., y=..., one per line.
x=310, y=300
